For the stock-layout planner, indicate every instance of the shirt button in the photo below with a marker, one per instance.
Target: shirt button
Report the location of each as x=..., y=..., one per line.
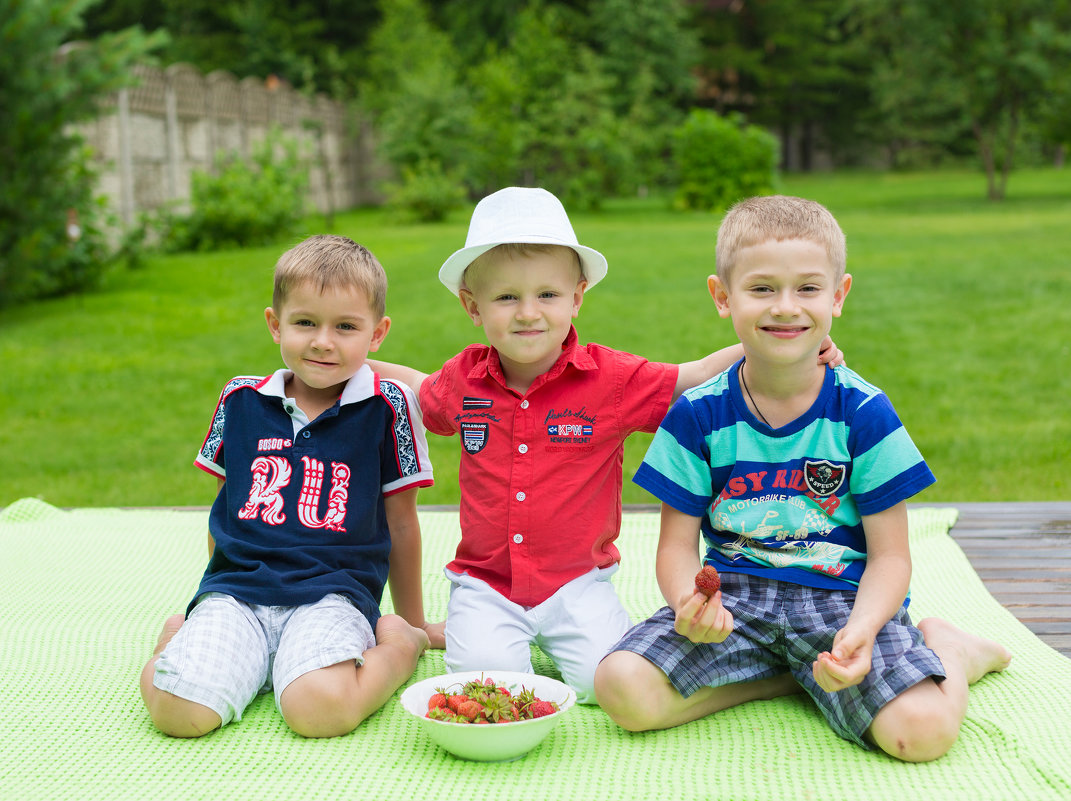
x=289, y=409
x=522, y=448
x=521, y=496
x=524, y=404
x=306, y=434
x=517, y=538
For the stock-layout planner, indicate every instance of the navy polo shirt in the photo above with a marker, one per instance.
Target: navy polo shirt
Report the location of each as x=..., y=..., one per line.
x=301, y=512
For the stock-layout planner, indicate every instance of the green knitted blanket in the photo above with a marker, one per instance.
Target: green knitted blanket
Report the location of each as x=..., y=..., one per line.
x=84, y=593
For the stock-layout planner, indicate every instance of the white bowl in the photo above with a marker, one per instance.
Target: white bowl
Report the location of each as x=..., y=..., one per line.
x=498, y=742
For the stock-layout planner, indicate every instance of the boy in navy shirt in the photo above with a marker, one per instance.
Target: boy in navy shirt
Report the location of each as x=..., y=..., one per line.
x=318, y=467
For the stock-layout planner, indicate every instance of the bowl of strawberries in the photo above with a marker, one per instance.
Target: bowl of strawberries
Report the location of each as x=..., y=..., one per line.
x=488, y=716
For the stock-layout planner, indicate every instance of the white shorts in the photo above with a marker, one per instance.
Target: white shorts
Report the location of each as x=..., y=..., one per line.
x=228, y=652
x=575, y=627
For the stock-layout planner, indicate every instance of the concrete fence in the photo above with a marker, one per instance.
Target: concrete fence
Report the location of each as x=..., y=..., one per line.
x=153, y=136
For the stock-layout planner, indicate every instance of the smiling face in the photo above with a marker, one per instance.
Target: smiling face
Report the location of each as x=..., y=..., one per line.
x=782, y=296
x=526, y=305
x=324, y=338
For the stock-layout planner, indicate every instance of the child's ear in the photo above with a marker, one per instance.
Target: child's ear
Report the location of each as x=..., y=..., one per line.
x=841, y=293
x=578, y=297
x=720, y=293
x=273, y=324
x=468, y=303
x=379, y=333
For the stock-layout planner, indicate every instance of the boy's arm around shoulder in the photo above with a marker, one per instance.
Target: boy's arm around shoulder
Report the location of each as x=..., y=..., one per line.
x=677, y=561
x=406, y=565
x=399, y=372
x=882, y=590
x=692, y=374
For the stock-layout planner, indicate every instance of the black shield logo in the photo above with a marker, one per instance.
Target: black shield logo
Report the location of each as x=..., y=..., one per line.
x=474, y=436
x=823, y=478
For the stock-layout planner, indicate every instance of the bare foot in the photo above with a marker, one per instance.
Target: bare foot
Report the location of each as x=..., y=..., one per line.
x=980, y=655
x=394, y=631
x=170, y=629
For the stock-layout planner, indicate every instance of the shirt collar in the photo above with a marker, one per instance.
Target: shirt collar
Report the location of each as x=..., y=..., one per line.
x=361, y=387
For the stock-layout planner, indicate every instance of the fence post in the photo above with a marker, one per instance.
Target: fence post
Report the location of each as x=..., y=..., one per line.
x=171, y=125
x=126, y=160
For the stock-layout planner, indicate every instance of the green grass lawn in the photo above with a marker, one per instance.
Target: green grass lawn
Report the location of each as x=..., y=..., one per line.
x=960, y=310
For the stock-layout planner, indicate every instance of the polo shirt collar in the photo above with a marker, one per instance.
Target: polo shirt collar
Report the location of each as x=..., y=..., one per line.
x=361, y=387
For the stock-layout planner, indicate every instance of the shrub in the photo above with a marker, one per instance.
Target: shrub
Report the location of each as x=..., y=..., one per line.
x=244, y=203
x=427, y=192
x=721, y=160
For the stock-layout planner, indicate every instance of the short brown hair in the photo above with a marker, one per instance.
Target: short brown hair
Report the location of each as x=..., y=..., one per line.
x=778, y=217
x=330, y=261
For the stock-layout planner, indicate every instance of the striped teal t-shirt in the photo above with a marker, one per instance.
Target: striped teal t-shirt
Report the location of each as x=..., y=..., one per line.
x=785, y=503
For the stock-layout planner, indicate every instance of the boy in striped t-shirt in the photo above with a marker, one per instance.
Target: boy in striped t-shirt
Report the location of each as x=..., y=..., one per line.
x=796, y=475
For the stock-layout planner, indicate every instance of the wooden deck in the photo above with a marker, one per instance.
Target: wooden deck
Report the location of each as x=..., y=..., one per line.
x=1022, y=551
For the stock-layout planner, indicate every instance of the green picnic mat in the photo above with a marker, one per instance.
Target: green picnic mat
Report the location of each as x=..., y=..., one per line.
x=84, y=593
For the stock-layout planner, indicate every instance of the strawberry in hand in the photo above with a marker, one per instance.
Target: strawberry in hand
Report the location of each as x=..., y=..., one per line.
x=707, y=581
x=701, y=616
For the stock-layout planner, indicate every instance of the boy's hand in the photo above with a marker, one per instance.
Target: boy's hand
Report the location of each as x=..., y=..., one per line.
x=703, y=619
x=847, y=664
x=830, y=354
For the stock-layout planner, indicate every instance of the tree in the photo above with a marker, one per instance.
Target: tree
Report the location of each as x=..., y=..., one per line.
x=984, y=67
x=420, y=108
x=794, y=67
x=51, y=235
x=316, y=45
x=649, y=50
x=544, y=114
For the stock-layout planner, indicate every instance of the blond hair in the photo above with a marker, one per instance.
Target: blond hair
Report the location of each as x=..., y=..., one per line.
x=778, y=217
x=514, y=250
x=331, y=262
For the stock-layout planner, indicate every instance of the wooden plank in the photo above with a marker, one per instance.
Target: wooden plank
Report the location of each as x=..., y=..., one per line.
x=1058, y=642
x=1022, y=553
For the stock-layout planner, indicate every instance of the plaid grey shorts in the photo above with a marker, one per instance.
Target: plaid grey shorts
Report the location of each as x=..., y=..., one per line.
x=228, y=652
x=780, y=627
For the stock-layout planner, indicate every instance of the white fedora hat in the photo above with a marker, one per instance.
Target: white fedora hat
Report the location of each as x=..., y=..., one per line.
x=519, y=215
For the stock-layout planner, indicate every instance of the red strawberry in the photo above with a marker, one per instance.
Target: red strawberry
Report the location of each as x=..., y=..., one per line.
x=470, y=709
x=455, y=702
x=707, y=581
x=437, y=700
x=539, y=709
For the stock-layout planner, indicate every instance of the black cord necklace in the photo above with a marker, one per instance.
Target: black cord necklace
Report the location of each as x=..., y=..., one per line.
x=743, y=383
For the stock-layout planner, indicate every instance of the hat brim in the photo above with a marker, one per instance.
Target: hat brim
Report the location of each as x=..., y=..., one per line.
x=592, y=262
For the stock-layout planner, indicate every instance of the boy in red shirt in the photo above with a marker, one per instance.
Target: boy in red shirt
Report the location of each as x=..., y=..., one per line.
x=542, y=420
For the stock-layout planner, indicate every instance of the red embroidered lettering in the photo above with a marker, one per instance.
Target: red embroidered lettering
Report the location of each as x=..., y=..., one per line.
x=311, y=486
x=270, y=475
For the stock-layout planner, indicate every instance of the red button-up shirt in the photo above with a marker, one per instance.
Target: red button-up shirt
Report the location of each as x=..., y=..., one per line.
x=541, y=473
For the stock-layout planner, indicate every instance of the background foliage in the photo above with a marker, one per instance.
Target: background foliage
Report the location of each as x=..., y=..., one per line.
x=241, y=204
x=580, y=96
x=720, y=160
x=46, y=183
x=821, y=74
